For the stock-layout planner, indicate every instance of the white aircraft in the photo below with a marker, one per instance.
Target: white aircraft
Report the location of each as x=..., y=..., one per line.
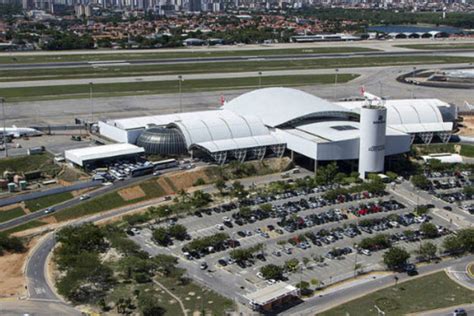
x=469, y=106
x=19, y=131
x=371, y=98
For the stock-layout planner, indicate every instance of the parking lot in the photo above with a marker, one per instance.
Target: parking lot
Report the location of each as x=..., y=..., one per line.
x=449, y=187
x=317, y=227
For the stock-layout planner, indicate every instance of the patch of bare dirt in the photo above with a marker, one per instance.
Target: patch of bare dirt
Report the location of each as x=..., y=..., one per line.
x=49, y=220
x=131, y=193
x=12, y=280
x=185, y=180
x=468, y=128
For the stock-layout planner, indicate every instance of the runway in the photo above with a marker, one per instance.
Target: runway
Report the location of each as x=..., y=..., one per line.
x=176, y=61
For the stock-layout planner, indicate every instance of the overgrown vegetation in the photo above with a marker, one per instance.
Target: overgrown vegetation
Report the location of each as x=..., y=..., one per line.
x=102, y=267
x=461, y=242
x=10, y=244
x=11, y=214
x=46, y=201
x=22, y=164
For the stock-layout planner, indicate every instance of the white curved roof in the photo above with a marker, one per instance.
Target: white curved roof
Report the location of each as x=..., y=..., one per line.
x=240, y=143
x=214, y=126
x=277, y=106
x=411, y=115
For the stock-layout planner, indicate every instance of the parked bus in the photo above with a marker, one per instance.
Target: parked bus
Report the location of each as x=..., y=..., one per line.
x=165, y=164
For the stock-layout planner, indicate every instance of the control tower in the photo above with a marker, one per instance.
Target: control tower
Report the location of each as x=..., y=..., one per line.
x=373, y=125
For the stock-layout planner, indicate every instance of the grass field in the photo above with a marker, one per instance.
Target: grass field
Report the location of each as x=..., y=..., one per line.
x=184, y=53
x=29, y=225
x=467, y=150
x=25, y=163
x=11, y=214
x=470, y=270
x=221, y=67
x=425, y=293
x=109, y=201
x=158, y=87
x=439, y=46
x=196, y=298
x=46, y=201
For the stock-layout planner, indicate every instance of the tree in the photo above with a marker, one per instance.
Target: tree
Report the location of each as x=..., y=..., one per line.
x=220, y=185
x=292, y=265
x=468, y=190
x=282, y=243
x=200, y=198
x=183, y=196
x=420, y=181
x=326, y=174
x=161, y=236
x=148, y=305
x=429, y=230
x=199, y=181
x=395, y=258
x=466, y=237
x=12, y=243
x=272, y=271
x=238, y=190
x=178, y=231
x=306, y=261
x=453, y=245
x=165, y=264
x=427, y=250
x=303, y=285
x=421, y=210
x=267, y=207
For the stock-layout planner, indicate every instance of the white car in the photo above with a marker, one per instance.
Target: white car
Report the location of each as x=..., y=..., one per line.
x=84, y=197
x=220, y=227
x=260, y=275
x=271, y=281
x=366, y=252
x=226, y=219
x=49, y=210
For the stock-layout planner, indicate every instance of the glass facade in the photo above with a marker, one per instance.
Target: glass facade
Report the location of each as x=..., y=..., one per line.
x=162, y=141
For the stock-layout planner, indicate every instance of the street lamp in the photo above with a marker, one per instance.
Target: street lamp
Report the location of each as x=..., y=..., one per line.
x=2, y=100
x=259, y=79
x=90, y=102
x=180, y=79
x=335, y=84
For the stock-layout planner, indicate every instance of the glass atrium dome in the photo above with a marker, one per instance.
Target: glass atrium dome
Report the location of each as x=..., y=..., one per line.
x=162, y=141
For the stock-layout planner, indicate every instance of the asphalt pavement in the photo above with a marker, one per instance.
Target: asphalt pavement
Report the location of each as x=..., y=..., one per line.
x=37, y=194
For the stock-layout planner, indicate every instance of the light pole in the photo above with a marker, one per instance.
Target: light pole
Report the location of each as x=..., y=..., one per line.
x=335, y=84
x=259, y=79
x=90, y=102
x=4, y=126
x=180, y=78
x=413, y=83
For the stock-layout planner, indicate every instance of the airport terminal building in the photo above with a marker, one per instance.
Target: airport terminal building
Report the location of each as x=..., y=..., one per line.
x=272, y=121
